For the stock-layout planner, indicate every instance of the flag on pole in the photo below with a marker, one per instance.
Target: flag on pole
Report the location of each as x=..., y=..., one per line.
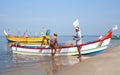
x=115, y=28
x=76, y=23
x=5, y=33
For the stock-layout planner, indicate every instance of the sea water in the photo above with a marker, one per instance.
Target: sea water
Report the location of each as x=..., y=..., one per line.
x=10, y=62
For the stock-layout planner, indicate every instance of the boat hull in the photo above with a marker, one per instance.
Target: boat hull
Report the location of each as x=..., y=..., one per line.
x=74, y=52
x=115, y=38
x=93, y=48
x=25, y=39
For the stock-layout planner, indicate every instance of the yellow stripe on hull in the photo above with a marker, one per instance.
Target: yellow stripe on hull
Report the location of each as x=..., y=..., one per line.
x=25, y=39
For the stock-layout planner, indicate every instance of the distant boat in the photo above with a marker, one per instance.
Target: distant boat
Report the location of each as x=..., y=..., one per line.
x=93, y=47
x=115, y=37
x=25, y=39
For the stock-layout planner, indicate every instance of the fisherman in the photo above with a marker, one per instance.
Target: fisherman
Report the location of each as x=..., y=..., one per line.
x=78, y=41
x=54, y=44
x=44, y=41
x=25, y=35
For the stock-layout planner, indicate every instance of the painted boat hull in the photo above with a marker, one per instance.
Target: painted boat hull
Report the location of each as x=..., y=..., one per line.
x=64, y=51
x=94, y=47
x=25, y=39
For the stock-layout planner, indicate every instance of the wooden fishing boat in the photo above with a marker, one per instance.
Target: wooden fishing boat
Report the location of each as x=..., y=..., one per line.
x=25, y=39
x=93, y=47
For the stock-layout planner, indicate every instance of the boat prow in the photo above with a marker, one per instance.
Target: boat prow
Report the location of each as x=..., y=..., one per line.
x=6, y=34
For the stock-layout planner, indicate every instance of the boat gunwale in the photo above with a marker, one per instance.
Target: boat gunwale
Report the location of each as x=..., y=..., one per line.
x=61, y=46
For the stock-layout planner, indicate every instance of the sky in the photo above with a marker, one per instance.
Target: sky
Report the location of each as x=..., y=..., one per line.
x=96, y=17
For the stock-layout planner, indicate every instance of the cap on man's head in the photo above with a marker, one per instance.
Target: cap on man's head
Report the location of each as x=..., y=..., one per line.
x=55, y=34
x=77, y=28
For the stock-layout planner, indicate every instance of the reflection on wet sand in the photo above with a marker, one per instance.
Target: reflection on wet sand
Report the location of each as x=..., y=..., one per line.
x=47, y=64
x=52, y=66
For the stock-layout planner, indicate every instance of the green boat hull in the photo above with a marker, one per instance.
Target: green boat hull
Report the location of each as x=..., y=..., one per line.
x=115, y=38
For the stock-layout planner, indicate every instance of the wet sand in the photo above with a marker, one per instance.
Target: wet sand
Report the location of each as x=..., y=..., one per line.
x=106, y=63
x=39, y=65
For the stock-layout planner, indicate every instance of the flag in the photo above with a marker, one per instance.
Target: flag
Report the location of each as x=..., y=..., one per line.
x=76, y=23
x=5, y=33
x=115, y=28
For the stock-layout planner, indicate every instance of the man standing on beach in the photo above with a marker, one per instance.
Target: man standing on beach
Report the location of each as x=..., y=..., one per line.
x=78, y=41
x=78, y=37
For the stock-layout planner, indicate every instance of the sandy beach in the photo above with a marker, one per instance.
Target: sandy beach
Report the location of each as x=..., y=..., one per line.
x=106, y=63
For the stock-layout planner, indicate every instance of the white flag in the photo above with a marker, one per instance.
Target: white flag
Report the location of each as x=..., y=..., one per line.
x=5, y=33
x=115, y=28
x=76, y=23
